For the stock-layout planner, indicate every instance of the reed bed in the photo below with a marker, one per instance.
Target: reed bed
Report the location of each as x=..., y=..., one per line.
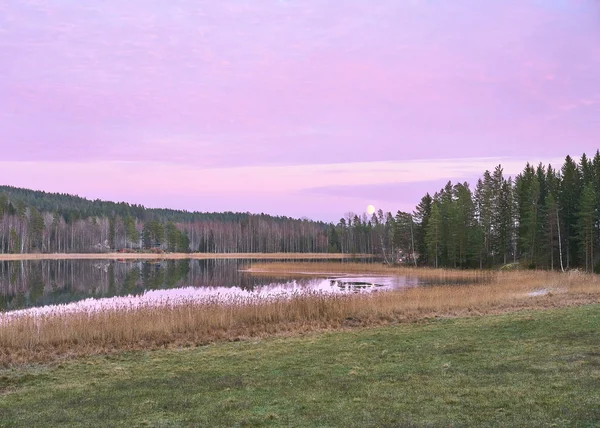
x=51, y=336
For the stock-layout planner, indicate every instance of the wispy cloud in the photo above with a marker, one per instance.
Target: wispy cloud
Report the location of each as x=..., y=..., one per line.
x=322, y=188
x=279, y=98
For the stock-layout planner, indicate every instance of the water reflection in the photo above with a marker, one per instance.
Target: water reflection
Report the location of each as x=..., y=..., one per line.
x=28, y=284
x=376, y=282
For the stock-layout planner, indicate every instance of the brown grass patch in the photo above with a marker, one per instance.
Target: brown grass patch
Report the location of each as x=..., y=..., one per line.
x=28, y=339
x=320, y=268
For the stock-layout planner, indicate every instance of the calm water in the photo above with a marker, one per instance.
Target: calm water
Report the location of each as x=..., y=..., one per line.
x=30, y=284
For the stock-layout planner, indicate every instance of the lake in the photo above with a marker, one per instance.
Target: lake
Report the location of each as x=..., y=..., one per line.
x=37, y=283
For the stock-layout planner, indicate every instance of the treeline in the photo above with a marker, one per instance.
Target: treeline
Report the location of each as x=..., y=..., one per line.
x=543, y=218
x=34, y=221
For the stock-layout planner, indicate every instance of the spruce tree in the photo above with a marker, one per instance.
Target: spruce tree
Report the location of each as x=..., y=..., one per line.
x=464, y=226
x=528, y=191
x=504, y=222
x=586, y=225
x=483, y=202
x=568, y=198
x=433, y=234
x=447, y=229
x=421, y=218
x=542, y=248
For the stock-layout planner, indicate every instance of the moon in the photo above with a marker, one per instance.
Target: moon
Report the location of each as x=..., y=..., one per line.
x=370, y=209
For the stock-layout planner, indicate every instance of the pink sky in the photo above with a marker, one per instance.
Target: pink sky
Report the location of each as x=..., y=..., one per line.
x=302, y=108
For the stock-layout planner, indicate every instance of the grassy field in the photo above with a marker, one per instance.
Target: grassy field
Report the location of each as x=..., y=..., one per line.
x=59, y=336
x=534, y=368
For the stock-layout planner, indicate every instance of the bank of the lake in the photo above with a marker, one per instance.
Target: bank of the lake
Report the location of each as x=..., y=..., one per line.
x=179, y=319
x=534, y=368
x=180, y=256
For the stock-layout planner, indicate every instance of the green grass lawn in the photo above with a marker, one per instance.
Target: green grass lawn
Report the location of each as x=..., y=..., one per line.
x=527, y=369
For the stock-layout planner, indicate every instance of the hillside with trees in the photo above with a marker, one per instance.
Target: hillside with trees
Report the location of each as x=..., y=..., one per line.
x=35, y=221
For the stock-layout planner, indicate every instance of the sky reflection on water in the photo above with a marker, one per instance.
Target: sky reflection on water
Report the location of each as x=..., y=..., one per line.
x=44, y=287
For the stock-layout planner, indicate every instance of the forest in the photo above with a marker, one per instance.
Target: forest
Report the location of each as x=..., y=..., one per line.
x=34, y=221
x=545, y=218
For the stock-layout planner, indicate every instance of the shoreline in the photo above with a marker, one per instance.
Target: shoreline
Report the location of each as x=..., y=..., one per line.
x=181, y=256
x=58, y=335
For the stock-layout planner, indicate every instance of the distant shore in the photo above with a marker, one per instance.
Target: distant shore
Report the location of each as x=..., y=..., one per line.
x=178, y=256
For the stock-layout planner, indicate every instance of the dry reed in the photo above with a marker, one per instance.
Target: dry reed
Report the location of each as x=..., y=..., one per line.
x=319, y=268
x=46, y=338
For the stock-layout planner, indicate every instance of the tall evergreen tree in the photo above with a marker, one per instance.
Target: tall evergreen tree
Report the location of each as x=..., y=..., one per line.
x=586, y=167
x=421, y=218
x=568, y=199
x=484, y=213
x=433, y=234
x=586, y=226
x=504, y=221
x=448, y=230
x=528, y=193
x=464, y=225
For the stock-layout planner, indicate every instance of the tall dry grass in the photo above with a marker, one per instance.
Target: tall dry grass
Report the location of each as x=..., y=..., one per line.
x=46, y=338
x=319, y=268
